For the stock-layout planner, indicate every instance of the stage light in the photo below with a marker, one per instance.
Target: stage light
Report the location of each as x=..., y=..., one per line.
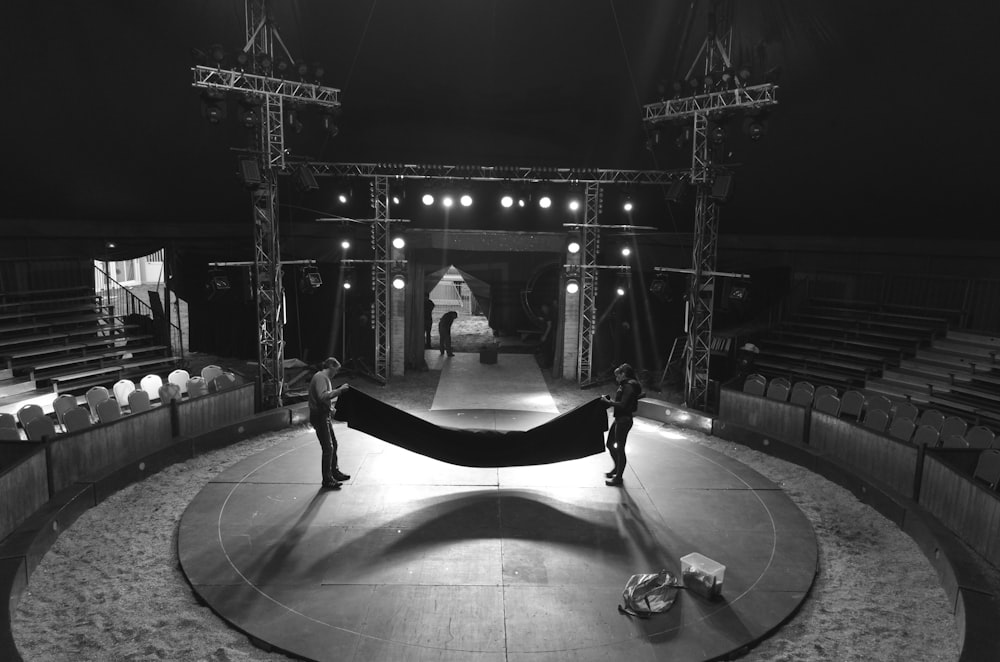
x=303, y=179
x=347, y=278
x=621, y=284
x=213, y=106
x=249, y=113
x=545, y=202
x=507, y=202
x=303, y=70
x=520, y=202
x=428, y=199
x=626, y=251
x=398, y=243
x=396, y=200
x=573, y=245
x=217, y=53
x=756, y=131
x=465, y=200
x=447, y=201
x=242, y=60
x=398, y=280
x=330, y=124
x=744, y=74
x=627, y=205
x=718, y=134
x=343, y=198
x=574, y=205
x=281, y=67
x=264, y=61
x=572, y=286
x=659, y=288
x=345, y=244
x=310, y=279
x=678, y=89
x=218, y=282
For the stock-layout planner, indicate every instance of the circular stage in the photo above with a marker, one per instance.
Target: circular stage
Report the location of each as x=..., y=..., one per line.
x=415, y=559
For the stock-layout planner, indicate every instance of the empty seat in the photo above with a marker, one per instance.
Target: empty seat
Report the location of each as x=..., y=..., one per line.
x=825, y=389
x=902, y=429
x=851, y=404
x=169, y=392
x=876, y=419
x=980, y=437
x=828, y=404
x=778, y=389
x=151, y=384
x=988, y=468
x=122, y=388
x=180, y=377
x=224, y=381
x=197, y=387
x=108, y=410
x=95, y=396
x=754, y=385
x=926, y=435
x=138, y=401
x=40, y=429
x=905, y=410
x=62, y=404
x=8, y=421
x=10, y=434
x=77, y=418
x=28, y=413
x=954, y=441
x=931, y=417
x=210, y=372
x=879, y=402
x=953, y=425
x=802, y=394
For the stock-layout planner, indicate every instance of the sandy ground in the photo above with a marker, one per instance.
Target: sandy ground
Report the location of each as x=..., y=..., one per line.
x=110, y=588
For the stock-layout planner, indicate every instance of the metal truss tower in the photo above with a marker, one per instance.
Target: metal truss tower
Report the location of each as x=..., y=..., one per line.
x=591, y=243
x=700, y=110
x=380, y=275
x=270, y=94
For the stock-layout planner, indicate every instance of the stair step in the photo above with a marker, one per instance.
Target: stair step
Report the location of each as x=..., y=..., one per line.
x=12, y=386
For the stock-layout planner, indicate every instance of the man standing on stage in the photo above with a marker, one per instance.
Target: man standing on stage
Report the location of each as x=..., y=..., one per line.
x=321, y=396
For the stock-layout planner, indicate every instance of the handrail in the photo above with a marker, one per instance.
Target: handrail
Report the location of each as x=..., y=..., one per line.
x=120, y=300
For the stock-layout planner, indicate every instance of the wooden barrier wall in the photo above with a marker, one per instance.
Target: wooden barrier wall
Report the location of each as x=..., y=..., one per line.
x=778, y=420
x=24, y=487
x=99, y=449
x=970, y=510
x=887, y=460
x=215, y=410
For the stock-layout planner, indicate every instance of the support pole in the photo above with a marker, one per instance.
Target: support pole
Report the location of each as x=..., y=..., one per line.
x=591, y=239
x=380, y=275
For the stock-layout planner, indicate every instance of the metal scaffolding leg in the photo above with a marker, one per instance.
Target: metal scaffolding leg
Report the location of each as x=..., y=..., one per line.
x=591, y=239
x=700, y=300
x=270, y=295
x=380, y=275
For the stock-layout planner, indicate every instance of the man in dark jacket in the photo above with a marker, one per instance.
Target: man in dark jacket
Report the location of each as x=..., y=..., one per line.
x=625, y=403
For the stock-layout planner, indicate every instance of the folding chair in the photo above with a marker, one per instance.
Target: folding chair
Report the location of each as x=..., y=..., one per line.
x=10, y=434
x=879, y=402
x=122, y=388
x=180, y=377
x=210, y=372
x=224, y=381
x=876, y=419
x=980, y=437
x=902, y=428
x=778, y=389
x=197, y=387
x=931, y=417
x=905, y=410
x=28, y=413
x=851, y=404
x=62, y=404
x=926, y=435
x=8, y=421
x=40, y=429
x=828, y=404
x=953, y=425
x=151, y=384
x=138, y=401
x=988, y=468
x=802, y=394
x=108, y=410
x=825, y=389
x=755, y=384
x=77, y=418
x=954, y=441
x=95, y=396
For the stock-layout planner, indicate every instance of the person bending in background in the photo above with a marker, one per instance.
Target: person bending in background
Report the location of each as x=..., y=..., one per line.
x=428, y=320
x=321, y=396
x=444, y=330
x=625, y=403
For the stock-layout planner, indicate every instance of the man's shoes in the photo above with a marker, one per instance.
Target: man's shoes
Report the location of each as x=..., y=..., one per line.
x=334, y=485
x=610, y=474
x=451, y=353
x=614, y=482
x=339, y=475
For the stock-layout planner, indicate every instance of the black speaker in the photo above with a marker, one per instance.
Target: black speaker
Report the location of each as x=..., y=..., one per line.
x=676, y=190
x=304, y=180
x=249, y=173
x=722, y=188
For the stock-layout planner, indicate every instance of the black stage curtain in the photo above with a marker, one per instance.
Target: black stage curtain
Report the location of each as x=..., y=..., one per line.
x=570, y=436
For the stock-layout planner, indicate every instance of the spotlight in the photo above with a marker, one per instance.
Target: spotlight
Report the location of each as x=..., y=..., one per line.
x=507, y=202
x=398, y=280
x=447, y=201
x=659, y=288
x=249, y=113
x=303, y=70
x=217, y=283
x=520, y=202
x=621, y=284
x=465, y=200
x=398, y=243
x=545, y=202
x=428, y=199
x=347, y=278
x=318, y=71
x=627, y=205
x=330, y=124
x=294, y=121
x=572, y=285
x=345, y=244
x=310, y=279
x=626, y=251
x=343, y=197
x=264, y=61
x=573, y=245
x=303, y=179
x=213, y=105
x=574, y=205
x=281, y=67
x=217, y=53
x=242, y=60
x=718, y=134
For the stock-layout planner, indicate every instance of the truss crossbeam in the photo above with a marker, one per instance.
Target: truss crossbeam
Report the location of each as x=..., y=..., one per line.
x=739, y=98
x=255, y=84
x=496, y=173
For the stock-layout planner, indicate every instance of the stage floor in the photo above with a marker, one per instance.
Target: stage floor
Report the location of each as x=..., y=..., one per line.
x=415, y=559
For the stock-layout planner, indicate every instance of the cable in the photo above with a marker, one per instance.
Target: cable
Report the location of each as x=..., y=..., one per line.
x=357, y=53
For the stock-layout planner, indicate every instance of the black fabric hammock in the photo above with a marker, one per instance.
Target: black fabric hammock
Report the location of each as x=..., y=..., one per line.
x=570, y=436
